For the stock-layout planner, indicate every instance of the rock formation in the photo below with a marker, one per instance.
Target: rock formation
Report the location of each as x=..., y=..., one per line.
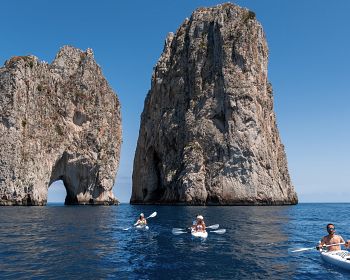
x=58, y=121
x=208, y=132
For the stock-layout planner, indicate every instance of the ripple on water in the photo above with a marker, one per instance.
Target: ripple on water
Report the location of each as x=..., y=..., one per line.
x=91, y=243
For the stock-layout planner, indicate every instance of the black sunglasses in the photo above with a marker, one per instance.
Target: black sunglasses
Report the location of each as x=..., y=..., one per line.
x=331, y=228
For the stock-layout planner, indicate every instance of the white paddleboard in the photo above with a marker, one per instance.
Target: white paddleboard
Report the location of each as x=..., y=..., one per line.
x=340, y=258
x=142, y=227
x=200, y=234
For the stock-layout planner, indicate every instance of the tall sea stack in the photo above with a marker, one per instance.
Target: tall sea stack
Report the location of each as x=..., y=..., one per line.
x=58, y=121
x=208, y=132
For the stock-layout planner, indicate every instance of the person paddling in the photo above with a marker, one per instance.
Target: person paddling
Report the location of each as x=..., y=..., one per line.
x=332, y=238
x=195, y=221
x=200, y=225
x=141, y=221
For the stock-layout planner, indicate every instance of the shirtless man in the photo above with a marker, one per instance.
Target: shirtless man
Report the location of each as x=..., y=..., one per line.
x=332, y=238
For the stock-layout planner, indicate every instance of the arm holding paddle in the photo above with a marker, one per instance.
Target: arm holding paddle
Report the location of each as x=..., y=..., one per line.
x=143, y=220
x=316, y=247
x=332, y=239
x=334, y=245
x=330, y=242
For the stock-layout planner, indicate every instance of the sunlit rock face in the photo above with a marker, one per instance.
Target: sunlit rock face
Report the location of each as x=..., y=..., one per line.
x=208, y=133
x=58, y=121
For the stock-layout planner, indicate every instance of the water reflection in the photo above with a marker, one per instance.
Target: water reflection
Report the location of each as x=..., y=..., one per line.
x=90, y=243
x=46, y=239
x=251, y=246
x=306, y=228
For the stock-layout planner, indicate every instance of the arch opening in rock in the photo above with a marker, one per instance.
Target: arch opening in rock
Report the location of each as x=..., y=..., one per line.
x=62, y=124
x=56, y=193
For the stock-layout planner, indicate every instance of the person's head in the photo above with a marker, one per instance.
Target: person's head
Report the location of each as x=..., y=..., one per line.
x=200, y=218
x=330, y=228
x=142, y=215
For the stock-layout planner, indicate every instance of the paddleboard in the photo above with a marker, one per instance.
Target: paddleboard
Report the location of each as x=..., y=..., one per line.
x=142, y=227
x=340, y=258
x=200, y=234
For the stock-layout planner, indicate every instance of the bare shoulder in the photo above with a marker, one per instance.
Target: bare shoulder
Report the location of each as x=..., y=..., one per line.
x=324, y=238
x=339, y=237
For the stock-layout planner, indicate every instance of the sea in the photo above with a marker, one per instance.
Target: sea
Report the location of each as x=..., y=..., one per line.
x=100, y=242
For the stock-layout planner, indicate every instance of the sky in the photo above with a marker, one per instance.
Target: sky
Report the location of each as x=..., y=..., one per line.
x=309, y=67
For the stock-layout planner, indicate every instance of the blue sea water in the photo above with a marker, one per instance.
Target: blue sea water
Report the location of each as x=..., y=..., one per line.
x=87, y=242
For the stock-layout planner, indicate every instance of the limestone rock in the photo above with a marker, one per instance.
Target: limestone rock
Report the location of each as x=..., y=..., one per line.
x=58, y=121
x=208, y=131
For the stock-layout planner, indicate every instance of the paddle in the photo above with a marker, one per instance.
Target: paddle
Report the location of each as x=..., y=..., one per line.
x=176, y=231
x=311, y=248
x=216, y=226
x=150, y=216
x=219, y=231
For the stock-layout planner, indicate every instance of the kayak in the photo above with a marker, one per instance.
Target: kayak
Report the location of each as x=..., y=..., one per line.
x=142, y=227
x=340, y=258
x=200, y=234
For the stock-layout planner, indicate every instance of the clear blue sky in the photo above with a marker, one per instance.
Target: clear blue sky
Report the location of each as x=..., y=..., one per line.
x=309, y=64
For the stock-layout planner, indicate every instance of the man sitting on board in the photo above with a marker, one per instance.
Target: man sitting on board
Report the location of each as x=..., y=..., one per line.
x=332, y=238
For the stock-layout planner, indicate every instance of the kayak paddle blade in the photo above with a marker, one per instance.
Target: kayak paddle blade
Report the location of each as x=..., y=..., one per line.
x=219, y=231
x=303, y=249
x=177, y=232
x=152, y=215
x=216, y=226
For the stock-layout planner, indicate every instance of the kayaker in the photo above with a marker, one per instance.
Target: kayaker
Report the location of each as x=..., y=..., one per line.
x=331, y=238
x=141, y=220
x=200, y=225
x=195, y=221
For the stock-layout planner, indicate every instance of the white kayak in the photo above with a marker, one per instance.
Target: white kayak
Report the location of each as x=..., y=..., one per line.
x=340, y=258
x=201, y=234
x=142, y=227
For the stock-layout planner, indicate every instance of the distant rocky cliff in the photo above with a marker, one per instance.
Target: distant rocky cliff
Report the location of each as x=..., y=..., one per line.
x=58, y=121
x=208, y=131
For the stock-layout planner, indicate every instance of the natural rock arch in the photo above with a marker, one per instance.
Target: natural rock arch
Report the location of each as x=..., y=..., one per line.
x=57, y=192
x=58, y=121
